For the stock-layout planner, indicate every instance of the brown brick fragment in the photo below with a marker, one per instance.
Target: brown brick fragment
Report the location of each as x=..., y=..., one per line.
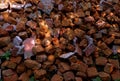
x=80, y=13
x=11, y=20
x=117, y=41
x=11, y=65
x=78, y=79
x=57, y=77
x=91, y=31
x=7, y=72
x=83, y=43
x=9, y=75
x=83, y=67
x=116, y=75
x=4, y=64
x=24, y=77
x=108, y=68
x=107, y=52
x=39, y=73
x=41, y=58
x=29, y=72
x=81, y=74
x=102, y=45
x=89, y=19
x=31, y=24
x=73, y=59
x=101, y=61
x=38, y=49
x=104, y=76
x=63, y=67
x=47, y=64
x=69, y=34
x=20, y=68
x=78, y=21
x=92, y=72
x=97, y=35
x=79, y=66
x=66, y=22
x=4, y=41
x=116, y=34
x=88, y=60
x=109, y=40
x=16, y=59
x=68, y=76
x=79, y=33
x=75, y=66
x=32, y=64
x=3, y=32
x=11, y=78
x=20, y=26
x=115, y=63
x=23, y=34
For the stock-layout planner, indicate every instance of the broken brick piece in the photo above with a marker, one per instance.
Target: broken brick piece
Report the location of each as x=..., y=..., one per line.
x=92, y=72
x=101, y=61
x=9, y=75
x=88, y=60
x=4, y=41
x=68, y=76
x=57, y=77
x=117, y=41
x=107, y=52
x=24, y=77
x=115, y=75
x=104, y=76
x=32, y=64
x=39, y=73
x=63, y=67
x=108, y=68
x=114, y=62
x=78, y=79
x=20, y=68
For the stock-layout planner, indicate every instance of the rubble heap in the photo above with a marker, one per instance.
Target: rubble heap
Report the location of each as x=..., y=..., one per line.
x=60, y=40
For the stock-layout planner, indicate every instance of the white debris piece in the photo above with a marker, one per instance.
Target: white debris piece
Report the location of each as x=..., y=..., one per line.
x=67, y=55
x=20, y=49
x=16, y=6
x=101, y=4
x=17, y=41
x=77, y=50
x=90, y=40
x=5, y=25
x=29, y=43
x=27, y=5
x=91, y=47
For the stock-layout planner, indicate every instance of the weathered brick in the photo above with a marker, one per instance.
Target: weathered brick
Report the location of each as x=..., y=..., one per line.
x=101, y=61
x=92, y=72
x=108, y=68
x=115, y=75
x=104, y=76
x=57, y=77
x=68, y=76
